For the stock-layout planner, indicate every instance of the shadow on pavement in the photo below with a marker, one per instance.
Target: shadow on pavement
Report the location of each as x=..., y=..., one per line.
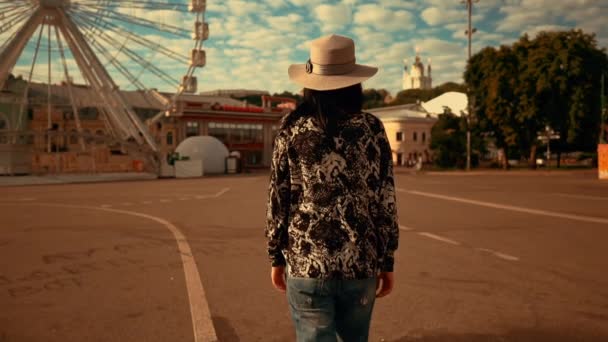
x=224, y=330
x=511, y=336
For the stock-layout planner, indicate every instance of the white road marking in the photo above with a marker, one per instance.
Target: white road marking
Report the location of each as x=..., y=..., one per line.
x=439, y=238
x=402, y=227
x=223, y=191
x=574, y=217
x=216, y=195
x=498, y=254
x=199, y=308
x=595, y=198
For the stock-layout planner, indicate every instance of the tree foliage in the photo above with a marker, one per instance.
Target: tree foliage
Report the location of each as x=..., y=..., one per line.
x=553, y=79
x=374, y=98
x=448, y=141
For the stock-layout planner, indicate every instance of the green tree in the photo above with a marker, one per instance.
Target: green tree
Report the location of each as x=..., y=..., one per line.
x=374, y=98
x=448, y=141
x=552, y=80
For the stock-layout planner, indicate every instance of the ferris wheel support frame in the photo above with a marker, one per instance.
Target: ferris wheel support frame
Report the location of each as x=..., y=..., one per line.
x=100, y=80
x=88, y=28
x=10, y=54
x=89, y=65
x=70, y=91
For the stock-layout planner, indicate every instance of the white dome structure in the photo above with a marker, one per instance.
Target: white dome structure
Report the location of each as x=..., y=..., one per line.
x=209, y=150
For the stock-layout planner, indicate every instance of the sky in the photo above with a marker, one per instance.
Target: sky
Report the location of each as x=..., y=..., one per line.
x=252, y=43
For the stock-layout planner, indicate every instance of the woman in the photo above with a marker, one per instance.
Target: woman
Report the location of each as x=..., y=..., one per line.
x=332, y=217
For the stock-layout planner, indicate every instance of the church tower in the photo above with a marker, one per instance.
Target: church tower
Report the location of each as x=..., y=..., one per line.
x=416, y=78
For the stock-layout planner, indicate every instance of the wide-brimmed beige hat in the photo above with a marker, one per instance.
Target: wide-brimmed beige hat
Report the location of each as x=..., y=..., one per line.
x=332, y=65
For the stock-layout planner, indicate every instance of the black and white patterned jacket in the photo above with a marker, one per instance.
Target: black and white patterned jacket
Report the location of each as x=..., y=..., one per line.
x=331, y=205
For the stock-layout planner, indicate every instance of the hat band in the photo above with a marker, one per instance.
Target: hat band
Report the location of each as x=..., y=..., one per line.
x=330, y=69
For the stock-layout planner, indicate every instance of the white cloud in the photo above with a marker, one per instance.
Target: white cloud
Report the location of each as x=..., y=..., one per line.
x=437, y=47
x=383, y=19
x=290, y=22
x=333, y=17
x=516, y=19
x=401, y=4
x=310, y=3
x=436, y=16
x=532, y=31
x=277, y=3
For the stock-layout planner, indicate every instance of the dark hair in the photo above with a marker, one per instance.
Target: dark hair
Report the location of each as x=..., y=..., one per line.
x=329, y=106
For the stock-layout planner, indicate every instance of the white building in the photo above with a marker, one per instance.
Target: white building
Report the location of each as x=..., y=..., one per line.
x=408, y=128
x=415, y=78
x=455, y=101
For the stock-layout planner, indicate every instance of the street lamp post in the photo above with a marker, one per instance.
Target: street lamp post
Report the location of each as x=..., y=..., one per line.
x=546, y=136
x=469, y=32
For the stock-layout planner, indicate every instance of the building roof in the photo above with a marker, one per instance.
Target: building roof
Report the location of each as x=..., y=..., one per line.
x=234, y=92
x=457, y=102
x=86, y=97
x=211, y=99
x=408, y=112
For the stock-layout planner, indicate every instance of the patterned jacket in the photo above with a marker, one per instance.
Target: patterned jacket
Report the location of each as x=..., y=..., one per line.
x=331, y=205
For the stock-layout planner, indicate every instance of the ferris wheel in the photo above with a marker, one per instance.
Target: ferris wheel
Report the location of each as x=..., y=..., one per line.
x=107, y=46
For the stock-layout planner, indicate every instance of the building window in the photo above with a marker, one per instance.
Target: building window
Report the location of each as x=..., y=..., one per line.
x=399, y=136
x=170, y=138
x=192, y=129
x=88, y=138
x=99, y=133
x=423, y=137
x=399, y=158
x=73, y=137
x=415, y=136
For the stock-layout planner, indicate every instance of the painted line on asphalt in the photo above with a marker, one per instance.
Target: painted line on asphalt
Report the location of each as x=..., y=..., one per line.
x=439, y=238
x=221, y=192
x=216, y=195
x=498, y=254
x=199, y=308
x=594, y=198
x=405, y=228
x=456, y=243
x=573, y=217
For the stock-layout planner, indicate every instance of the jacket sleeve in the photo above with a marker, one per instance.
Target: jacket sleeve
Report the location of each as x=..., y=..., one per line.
x=387, y=218
x=277, y=214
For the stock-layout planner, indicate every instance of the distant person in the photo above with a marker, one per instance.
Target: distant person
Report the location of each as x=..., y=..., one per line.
x=332, y=219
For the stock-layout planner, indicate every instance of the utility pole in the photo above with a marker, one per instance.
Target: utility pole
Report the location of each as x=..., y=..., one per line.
x=604, y=114
x=469, y=32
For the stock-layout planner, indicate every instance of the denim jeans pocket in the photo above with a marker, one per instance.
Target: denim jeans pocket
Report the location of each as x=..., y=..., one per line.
x=304, y=293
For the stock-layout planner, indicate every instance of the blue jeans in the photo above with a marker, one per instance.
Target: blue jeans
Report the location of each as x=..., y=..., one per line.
x=330, y=310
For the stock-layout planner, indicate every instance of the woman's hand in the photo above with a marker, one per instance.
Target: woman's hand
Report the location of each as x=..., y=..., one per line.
x=387, y=279
x=277, y=275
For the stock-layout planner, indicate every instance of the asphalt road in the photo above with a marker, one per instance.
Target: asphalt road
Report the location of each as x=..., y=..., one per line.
x=484, y=257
